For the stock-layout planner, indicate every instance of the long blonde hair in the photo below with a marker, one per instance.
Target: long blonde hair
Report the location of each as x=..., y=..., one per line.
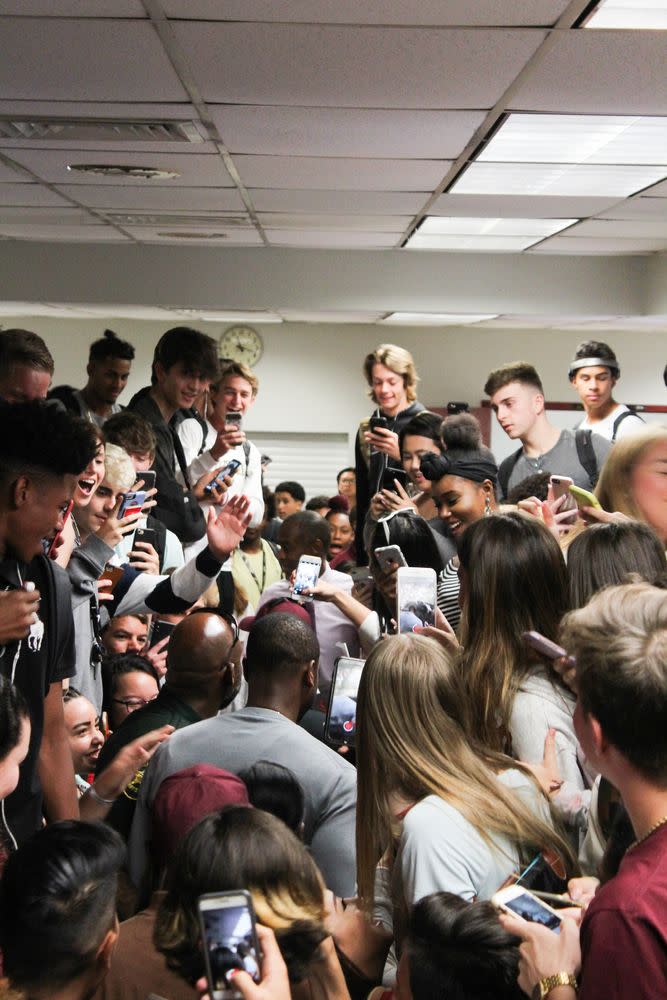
x=614, y=489
x=411, y=743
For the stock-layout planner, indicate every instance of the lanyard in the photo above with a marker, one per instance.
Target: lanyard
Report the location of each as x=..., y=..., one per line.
x=260, y=586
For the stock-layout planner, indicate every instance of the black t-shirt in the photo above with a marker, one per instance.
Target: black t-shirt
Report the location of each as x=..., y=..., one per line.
x=45, y=657
x=166, y=709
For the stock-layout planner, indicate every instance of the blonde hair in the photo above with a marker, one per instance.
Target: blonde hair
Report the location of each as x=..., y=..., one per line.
x=411, y=743
x=614, y=489
x=399, y=361
x=238, y=369
x=118, y=468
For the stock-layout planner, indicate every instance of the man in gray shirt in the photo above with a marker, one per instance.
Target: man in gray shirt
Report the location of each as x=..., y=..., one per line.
x=517, y=399
x=281, y=671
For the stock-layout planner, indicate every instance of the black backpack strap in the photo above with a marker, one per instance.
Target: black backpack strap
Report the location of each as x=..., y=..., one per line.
x=506, y=469
x=619, y=420
x=246, y=452
x=586, y=455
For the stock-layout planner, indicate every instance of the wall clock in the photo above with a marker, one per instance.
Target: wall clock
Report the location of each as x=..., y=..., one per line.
x=241, y=343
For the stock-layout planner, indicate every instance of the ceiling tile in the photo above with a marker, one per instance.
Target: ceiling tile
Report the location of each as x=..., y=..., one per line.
x=518, y=206
x=167, y=234
x=300, y=65
x=64, y=234
x=573, y=245
x=195, y=169
x=621, y=228
x=85, y=60
x=639, y=208
x=406, y=12
x=31, y=216
x=337, y=202
x=147, y=198
x=605, y=72
x=28, y=194
x=73, y=8
x=346, y=132
x=368, y=223
x=657, y=191
x=339, y=174
x=330, y=238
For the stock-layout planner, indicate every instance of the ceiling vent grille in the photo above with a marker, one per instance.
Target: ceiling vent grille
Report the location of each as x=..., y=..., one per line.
x=101, y=130
x=166, y=220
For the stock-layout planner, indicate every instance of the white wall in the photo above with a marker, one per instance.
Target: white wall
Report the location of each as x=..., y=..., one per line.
x=310, y=375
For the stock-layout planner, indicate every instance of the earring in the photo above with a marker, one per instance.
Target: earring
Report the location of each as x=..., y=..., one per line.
x=487, y=506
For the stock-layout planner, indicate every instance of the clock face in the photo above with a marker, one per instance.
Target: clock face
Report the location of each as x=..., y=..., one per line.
x=242, y=344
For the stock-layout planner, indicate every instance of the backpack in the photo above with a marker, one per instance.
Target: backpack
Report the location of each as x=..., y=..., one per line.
x=585, y=454
x=619, y=420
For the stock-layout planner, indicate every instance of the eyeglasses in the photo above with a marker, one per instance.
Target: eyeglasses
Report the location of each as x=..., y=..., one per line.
x=405, y=511
x=132, y=704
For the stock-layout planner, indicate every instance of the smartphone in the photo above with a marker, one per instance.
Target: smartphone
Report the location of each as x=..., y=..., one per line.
x=388, y=477
x=131, y=503
x=387, y=555
x=560, y=487
x=226, y=470
x=147, y=478
x=50, y=545
x=145, y=535
x=544, y=646
x=160, y=629
x=307, y=574
x=233, y=421
x=229, y=936
x=583, y=498
x=521, y=903
x=113, y=573
x=378, y=422
x=341, y=719
x=416, y=596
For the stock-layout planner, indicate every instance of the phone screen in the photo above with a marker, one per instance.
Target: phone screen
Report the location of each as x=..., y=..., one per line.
x=230, y=942
x=416, y=597
x=341, y=722
x=532, y=909
x=307, y=574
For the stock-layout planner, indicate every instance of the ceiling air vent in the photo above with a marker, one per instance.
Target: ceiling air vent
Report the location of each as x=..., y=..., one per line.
x=101, y=130
x=124, y=170
x=164, y=219
x=183, y=235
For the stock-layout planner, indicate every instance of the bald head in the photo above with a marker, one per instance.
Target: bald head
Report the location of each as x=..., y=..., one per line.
x=198, y=660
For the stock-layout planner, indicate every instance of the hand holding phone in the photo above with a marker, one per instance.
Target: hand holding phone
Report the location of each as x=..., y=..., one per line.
x=519, y=902
x=584, y=498
x=341, y=719
x=131, y=503
x=306, y=576
x=229, y=935
x=388, y=557
x=416, y=597
x=230, y=469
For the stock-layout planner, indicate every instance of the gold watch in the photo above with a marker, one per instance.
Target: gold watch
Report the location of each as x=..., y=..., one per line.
x=549, y=983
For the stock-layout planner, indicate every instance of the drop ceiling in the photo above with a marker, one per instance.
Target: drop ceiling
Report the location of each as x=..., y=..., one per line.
x=327, y=125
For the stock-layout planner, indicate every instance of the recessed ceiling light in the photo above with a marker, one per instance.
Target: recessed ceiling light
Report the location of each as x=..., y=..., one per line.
x=610, y=139
x=473, y=244
x=118, y=170
x=574, y=179
x=436, y=319
x=228, y=316
x=638, y=14
x=438, y=225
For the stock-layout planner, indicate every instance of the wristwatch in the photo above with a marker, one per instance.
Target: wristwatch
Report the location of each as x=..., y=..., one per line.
x=549, y=983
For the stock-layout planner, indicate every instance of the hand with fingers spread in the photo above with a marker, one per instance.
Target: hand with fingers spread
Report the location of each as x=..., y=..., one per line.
x=18, y=611
x=115, y=778
x=225, y=530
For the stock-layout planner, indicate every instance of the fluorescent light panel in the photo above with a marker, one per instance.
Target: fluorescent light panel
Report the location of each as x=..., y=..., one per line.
x=638, y=14
x=579, y=179
x=473, y=244
x=436, y=319
x=437, y=225
x=609, y=139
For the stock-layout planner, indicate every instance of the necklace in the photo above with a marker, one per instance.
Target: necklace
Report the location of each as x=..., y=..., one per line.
x=260, y=586
x=640, y=840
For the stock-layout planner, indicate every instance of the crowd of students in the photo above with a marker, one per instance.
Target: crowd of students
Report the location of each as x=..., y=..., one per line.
x=164, y=690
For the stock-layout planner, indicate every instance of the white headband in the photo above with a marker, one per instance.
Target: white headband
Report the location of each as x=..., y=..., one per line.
x=594, y=363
